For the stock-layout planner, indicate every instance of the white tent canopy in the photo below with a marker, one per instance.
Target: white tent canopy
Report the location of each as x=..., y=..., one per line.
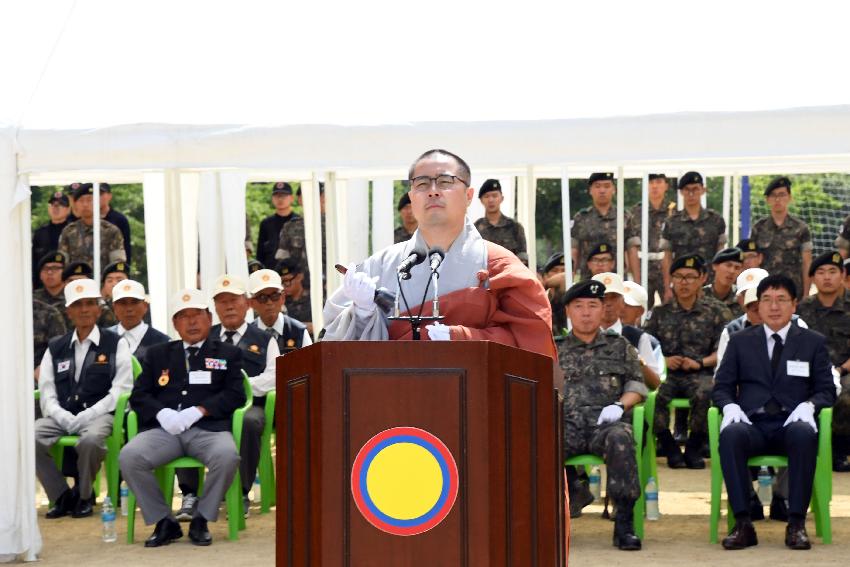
x=194, y=99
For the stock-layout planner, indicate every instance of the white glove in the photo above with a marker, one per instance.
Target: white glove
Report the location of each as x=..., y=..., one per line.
x=82, y=419
x=189, y=416
x=438, y=332
x=803, y=412
x=360, y=288
x=170, y=420
x=732, y=413
x=64, y=418
x=610, y=414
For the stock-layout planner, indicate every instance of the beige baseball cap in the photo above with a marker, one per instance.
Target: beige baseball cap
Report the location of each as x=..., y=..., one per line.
x=128, y=289
x=264, y=279
x=188, y=299
x=751, y=295
x=228, y=284
x=750, y=278
x=612, y=282
x=83, y=288
x=635, y=295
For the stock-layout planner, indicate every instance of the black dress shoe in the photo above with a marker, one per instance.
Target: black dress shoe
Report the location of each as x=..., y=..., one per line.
x=675, y=460
x=778, y=509
x=797, y=538
x=198, y=532
x=166, y=531
x=741, y=536
x=693, y=459
x=756, y=508
x=63, y=506
x=84, y=508
x=624, y=532
x=841, y=465
x=580, y=496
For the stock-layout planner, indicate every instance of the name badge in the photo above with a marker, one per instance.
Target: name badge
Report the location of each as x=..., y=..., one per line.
x=200, y=377
x=63, y=366
x=215, y=364
x=798, y=368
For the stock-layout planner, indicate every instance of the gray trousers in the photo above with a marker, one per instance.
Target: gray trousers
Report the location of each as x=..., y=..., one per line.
x=91, y=448
x=156, y=447
x=252, y=432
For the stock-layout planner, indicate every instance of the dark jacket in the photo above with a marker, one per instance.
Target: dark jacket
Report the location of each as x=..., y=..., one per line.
x=152, y=337
x=95, y=377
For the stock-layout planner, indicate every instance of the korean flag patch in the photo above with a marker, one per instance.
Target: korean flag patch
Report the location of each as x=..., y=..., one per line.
x=63, y=366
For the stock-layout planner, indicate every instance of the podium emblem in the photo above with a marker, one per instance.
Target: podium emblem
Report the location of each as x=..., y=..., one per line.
x=404, y=481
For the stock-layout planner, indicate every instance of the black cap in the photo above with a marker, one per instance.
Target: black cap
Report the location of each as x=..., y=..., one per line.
x=728, y=254
x=77, y=269
x=53, y=257
x=556, y=259
x=81, y=189
x=59, y=197
x=692, y=261
x=282, y=188
x=120, y=266
x=594, y=177
x=288, y=266
x=778, y=183
x=105, y=188
x=254, y=266
x=601, y=248
x=829, y=258
x=747, y=245
x=591, y=289
x=654, y=176
x=689, y=178
x=489, y=185
x=403, y=201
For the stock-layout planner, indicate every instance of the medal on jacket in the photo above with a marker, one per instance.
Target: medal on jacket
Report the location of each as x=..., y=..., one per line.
x=163, y=380
x=254, y=348
x=101, y=358
x=290, y=343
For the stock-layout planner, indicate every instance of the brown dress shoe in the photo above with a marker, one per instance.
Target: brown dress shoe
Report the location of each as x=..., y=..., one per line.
x=741, y=537
x=797, y=538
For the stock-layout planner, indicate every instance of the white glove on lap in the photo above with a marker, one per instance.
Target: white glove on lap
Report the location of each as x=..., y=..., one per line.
x=190, y=416
x=610, y=414
x=438, y=332
x=64, y=418
x=360, y=288
x=803, y=412
x=732, y=413
x=83, y=419
x=170, y=420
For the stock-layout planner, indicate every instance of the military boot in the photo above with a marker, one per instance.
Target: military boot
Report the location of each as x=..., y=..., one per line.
x=624, y=531
x=580, y=495
x=667, y=446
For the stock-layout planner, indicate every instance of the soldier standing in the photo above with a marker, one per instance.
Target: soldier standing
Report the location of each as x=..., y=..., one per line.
x=495, y=226
x=409, y=224
x=297, y=296
x=602, y=382
x=727, y=265
x=46, y=238
x=268, y=239
x=77, y=239
x=783, y=238
x=659, y=210
x=598, y=223
x=109, y=214
x=842, y=241
x=555, y=282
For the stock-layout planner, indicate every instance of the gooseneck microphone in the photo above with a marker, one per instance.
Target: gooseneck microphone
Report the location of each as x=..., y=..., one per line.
x=416, y=257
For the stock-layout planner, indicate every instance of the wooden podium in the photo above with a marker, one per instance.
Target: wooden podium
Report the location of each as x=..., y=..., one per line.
x=493, y=407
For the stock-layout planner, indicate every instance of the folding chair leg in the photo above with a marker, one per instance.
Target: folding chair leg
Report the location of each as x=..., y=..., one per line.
x=131, y=517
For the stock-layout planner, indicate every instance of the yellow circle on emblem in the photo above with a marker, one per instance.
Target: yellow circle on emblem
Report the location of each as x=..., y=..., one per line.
x=404, y=481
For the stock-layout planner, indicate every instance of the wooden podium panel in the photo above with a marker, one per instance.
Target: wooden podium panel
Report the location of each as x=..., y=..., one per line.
x=492, y=406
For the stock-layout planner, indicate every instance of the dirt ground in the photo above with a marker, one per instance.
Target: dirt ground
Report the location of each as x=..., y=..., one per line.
x=680, y=537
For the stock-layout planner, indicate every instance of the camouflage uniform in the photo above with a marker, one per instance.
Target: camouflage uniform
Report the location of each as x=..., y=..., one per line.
x=703, y=236
x=596, y=375
x=55, y=301
x=591, y=229
x=77, y=242
x=300, y=309
x=692, y=333
x=842, y=241
x=559, y=313
x=783, y=247
x=507, y=233
x=401, y=235
x=657, y=218
x=293, y=244
x=47, y=322
x=730, y=301
x=107, y=314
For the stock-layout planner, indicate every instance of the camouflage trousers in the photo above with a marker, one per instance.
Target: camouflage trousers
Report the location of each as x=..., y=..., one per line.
x=655, y=282
x=694, y=386
x=613, y=442
x=841, y=410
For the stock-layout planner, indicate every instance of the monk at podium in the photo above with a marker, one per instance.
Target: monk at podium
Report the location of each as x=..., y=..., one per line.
x=485, y=291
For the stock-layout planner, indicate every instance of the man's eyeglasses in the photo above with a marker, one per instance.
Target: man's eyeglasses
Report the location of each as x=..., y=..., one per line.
x=268, y=297
x=422, y=183
x=684, y=279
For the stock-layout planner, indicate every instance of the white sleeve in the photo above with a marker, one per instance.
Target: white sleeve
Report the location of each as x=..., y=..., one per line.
x=721, y=348
x=307, y=340
x=122, y=383
x=646, y=352
x=47, y=387
x=263, y=383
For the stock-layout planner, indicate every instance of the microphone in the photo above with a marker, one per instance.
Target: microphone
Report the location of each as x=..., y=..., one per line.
x=435, y=257
x=417, y=256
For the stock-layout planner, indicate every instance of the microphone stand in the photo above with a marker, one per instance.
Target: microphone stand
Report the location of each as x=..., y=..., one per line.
x=417, y=320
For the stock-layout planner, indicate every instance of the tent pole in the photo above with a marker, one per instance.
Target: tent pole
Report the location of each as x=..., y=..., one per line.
x=566, y=218
x=621, y=203
x=644, y=232
x=96, y=267
x=726, y=203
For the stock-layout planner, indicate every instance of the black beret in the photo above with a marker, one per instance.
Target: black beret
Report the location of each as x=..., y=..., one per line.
x=254, y=266
x=403, y=201
x=778, y=183
x=59, y=197
x=556, y=259
x=54, y=257
x=690, y=177
x=591, y=289
x=692, y=261
x=654, y=176
x=105, y=188
x=603, y=248
x=81, y=189
x=728, y=254
x=288, y=266
x=120, y=266
x=489, y=185
x=829, y=258
x=747, y=245
x=282, y=188
x=77, y=269
x=594, y=177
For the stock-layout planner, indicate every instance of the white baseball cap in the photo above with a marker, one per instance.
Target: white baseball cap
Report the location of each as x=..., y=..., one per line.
x=83, y=288
x=228, y=284
x=750, y=278
x=751, y=295
x=636, y=295
x=128, y=288
x=612, y=282
x=264, y=279
x=188, y=299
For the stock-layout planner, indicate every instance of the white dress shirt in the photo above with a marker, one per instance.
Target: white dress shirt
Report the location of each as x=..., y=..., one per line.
x=644, y=347
x=783, y=334
x=264, y=382
x=306, y=340
x=133, y=336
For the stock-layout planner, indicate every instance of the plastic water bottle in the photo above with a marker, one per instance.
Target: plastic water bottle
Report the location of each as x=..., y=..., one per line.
x=124, y=492
x=651, y=494
x=595, y=482
x=765, y=481
x=107, y=515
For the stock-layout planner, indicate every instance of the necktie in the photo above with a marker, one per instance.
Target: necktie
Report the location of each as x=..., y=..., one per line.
x=777, y=353
x=193, y=356
x=229, y=337
x=272, y=332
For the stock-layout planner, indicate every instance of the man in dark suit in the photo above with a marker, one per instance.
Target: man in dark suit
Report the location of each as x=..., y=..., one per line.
x=185, y=398
x=772, y=380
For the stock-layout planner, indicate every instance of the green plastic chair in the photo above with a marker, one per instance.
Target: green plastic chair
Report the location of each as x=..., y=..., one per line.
x=822, y=484
x=266, y=469
x=588, y=460
x=650, y=454
x=165, y=474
